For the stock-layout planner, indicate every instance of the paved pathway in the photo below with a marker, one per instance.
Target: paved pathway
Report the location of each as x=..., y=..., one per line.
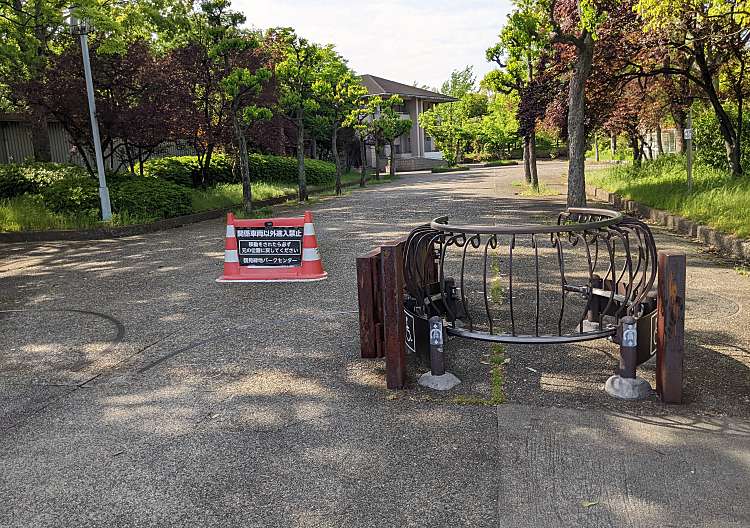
x=135, y=391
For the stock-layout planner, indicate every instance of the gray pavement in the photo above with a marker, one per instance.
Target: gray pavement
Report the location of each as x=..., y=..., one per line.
x=135, y=391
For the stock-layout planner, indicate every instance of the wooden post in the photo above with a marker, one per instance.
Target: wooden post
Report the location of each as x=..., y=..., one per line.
x=367, y=270
x=670, y=333
x=394, y=330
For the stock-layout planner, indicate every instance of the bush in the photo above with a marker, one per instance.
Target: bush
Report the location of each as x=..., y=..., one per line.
x=709, y=143
x=182, y=169
x=456, y=168
x=31, y=178
x=147, y=198
x=283, y=169
x=151, y=198
x=74, y=194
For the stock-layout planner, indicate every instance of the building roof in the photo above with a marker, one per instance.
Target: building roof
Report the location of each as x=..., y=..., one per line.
x=379, y=86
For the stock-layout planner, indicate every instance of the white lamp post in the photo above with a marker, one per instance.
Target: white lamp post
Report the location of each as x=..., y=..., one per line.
x=82, y=29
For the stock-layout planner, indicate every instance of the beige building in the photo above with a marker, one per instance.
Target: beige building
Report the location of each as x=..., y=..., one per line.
x=414, y=150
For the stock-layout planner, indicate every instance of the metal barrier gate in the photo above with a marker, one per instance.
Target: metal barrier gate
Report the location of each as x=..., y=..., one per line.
x=589, y=276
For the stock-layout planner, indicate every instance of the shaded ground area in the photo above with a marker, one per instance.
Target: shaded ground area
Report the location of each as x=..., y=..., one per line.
x=135, y=391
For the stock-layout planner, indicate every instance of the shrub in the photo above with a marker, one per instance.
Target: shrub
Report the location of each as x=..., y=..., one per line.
x=151, y=198
x=709, y=143
x=73, y=194
x=182, y=169
x=284, y=170
x=31, y=178
x=455, y=168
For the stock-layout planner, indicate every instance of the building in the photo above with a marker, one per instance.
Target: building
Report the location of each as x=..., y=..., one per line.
x=414, y=150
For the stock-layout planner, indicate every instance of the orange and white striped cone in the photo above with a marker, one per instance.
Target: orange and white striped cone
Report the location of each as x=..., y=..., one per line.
x=231, y=257
x=312, y=265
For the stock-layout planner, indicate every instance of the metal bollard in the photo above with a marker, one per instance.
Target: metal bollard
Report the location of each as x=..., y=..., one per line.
x=437, y=355
x=626, y=385
x=628, y=346
x=437, y=378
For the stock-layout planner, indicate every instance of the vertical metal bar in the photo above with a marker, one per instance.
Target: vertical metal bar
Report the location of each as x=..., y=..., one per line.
x=467, y=311
x=536, y=269
x=561, y=265
x=491, y=240
x=670, y=332
x=510, y=283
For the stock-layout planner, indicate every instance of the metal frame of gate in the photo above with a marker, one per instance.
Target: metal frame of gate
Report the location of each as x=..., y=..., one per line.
x=621, y=267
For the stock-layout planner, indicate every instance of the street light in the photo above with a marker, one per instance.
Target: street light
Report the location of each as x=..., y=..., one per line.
x=82, y=28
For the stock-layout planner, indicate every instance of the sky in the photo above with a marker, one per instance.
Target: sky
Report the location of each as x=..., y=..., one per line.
x=401, y=40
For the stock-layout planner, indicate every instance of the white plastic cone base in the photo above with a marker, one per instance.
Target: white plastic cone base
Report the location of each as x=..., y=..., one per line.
x=442, y=383
x=628, y=388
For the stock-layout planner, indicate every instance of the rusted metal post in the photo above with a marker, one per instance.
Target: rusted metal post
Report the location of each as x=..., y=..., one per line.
x=366, y=277
x=394, y=331
x=670, y=332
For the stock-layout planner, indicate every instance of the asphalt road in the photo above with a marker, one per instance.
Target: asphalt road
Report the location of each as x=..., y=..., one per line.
x=136, y=391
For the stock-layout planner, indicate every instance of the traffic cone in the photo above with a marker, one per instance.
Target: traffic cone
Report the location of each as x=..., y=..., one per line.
x=312, y=265
x=231, y=258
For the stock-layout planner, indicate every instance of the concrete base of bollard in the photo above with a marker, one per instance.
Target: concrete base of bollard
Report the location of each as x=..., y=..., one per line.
x=442, y=383
x=628, y=388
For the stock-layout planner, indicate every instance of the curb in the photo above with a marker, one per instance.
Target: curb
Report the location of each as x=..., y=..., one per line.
x=730, y=245
x=102, y=233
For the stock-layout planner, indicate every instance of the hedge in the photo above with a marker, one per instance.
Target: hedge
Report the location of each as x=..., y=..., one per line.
x=31, y=178
x=135, y=196
x=182, y=169
x=283, y=169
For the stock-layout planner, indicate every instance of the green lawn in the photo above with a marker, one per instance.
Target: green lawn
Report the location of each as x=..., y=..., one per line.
x=716, y=200
x=28, y=213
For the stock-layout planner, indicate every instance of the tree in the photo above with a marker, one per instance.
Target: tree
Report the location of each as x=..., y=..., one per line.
x=297, y=74
x=454, y=125
x=523, y=41
x=711, y=43
x=392, y=126
x=360, y=120
x=34, y=32
x=339, y=92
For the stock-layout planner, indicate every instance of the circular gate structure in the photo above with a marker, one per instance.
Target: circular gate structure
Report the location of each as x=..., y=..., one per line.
x=588, y=276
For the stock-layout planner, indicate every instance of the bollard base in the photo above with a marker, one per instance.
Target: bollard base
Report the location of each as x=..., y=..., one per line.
x=442, y=383
x=628, y=388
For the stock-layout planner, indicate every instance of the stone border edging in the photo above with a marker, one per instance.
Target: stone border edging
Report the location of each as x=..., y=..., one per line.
x=729, y=244
x=101, y=233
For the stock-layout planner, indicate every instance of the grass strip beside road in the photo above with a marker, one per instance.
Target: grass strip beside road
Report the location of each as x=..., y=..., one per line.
x=717, y=200
x=28, y=212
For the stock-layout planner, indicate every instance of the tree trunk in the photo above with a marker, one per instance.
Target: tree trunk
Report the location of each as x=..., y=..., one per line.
x=526, y=160
x=596, y=147
x=613, y=145
x=301, y=159
x=392, y=168
x=335, y=150
x=576, y=123
x=314, y=148
x=202, y=177
x=635, y=146
x=247, y=193
x=679, y=117
x=377, y=163
x=659, y=144
x=532, y=161
x=40, y=134
x=362, y=162
x=728, y=132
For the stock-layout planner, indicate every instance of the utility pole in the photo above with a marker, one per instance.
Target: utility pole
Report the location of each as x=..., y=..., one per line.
x=689, y=139
x=81, y=28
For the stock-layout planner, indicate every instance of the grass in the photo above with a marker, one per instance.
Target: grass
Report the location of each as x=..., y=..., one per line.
x=500, y=163
x=497, y=382
x=28, y=213
x=457, y=168
x=716, y=200
x=528, y=190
